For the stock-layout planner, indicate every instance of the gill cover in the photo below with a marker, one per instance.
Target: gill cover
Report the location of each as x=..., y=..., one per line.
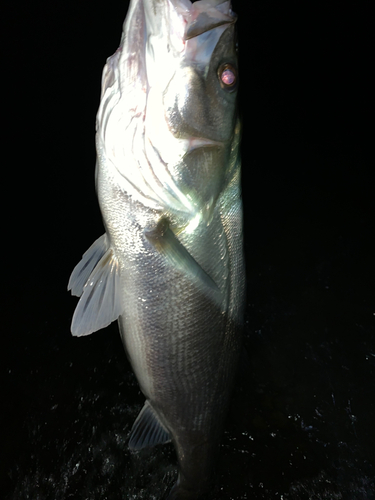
x=135, y=135
x=147, y=138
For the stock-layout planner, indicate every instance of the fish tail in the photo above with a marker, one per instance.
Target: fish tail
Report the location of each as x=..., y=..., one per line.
x=196, y=477
x=183, y=491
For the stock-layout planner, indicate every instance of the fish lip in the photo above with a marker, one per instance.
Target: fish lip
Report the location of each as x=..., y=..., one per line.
x=202, y=142
x=212, y=16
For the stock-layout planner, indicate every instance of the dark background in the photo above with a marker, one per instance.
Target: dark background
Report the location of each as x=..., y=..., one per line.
x=302, y=419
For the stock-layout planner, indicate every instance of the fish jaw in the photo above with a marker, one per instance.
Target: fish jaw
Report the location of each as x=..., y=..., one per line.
x=149, y=118
x=172, y=28
x=167, y=144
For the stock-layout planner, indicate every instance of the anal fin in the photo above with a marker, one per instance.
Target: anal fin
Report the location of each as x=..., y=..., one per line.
x=147, y=430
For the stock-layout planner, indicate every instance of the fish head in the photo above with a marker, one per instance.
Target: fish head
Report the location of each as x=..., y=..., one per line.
x=167, y=119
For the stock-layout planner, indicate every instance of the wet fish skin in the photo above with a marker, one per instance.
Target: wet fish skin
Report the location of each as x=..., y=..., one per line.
x=170, y=267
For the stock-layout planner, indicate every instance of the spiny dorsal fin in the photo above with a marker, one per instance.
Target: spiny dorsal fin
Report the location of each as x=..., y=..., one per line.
x=100, y=303
x=147, y=430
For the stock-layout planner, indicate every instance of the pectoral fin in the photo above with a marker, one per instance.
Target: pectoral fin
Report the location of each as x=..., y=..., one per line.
x=100, y=301
x=147, y=430
x=166, y=242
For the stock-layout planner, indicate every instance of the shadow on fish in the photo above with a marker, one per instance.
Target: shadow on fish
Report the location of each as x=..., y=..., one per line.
x=170, y=265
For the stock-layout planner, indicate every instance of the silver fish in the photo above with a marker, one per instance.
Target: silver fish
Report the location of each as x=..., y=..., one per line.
x=170, y=265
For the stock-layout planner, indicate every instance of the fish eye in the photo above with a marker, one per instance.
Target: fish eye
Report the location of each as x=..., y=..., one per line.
x=227, y=75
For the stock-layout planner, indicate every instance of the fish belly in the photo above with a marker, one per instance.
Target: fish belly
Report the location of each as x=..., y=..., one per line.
x=184, y=347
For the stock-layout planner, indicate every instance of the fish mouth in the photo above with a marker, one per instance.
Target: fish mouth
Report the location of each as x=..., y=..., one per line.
x=201, y=142
x=207, y=15
x=187, y=19
x=159, y=38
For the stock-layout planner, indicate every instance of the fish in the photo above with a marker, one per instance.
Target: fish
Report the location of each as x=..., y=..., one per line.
x=170, y=265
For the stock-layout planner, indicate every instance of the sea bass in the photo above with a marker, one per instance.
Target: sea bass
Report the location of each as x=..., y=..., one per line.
x=170, y=265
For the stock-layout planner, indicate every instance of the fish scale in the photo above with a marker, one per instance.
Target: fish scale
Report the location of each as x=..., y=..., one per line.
x=170, y=268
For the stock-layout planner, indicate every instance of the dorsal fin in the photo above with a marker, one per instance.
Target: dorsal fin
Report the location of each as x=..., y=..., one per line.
x=147, y=430
x=100, y=303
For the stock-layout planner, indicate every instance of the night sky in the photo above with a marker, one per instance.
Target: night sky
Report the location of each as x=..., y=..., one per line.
x=307, y=112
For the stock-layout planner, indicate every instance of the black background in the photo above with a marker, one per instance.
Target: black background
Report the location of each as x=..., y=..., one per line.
x=302, y=424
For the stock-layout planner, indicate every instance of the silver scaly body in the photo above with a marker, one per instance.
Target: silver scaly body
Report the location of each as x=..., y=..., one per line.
x=170, y=265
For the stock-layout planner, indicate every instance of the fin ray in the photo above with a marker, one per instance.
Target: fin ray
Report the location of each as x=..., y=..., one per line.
x=83, y=269
x=166, y=242
x=100, y=303
x=147, y=430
